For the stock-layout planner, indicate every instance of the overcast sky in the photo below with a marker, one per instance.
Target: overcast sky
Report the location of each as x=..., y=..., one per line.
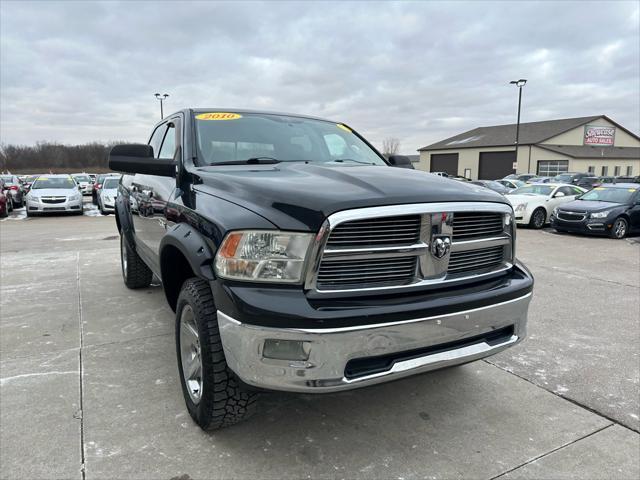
x=75, y=72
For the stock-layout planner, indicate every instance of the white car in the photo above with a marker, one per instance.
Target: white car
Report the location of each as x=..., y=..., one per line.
x=533, y=203
x=108, y=194
x=511, y=184
x=54, y=194
x=84, y=181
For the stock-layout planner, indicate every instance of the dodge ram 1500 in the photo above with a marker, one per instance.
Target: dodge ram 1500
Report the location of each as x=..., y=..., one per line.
x=297, y=259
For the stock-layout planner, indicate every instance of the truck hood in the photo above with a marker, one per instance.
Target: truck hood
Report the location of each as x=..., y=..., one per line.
x=299, y=196
x=589, y=206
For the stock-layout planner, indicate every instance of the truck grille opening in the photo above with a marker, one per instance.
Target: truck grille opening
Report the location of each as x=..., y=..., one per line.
x=376, y=232
x=375, y=272
x=471, y=225
x=361, y=367
x=371, y=248
x=472, y=260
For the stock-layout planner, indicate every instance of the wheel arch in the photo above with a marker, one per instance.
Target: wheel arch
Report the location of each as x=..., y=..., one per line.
x=184, y=253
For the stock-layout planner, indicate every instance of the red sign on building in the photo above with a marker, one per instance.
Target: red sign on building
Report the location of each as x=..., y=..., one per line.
x=599, y=135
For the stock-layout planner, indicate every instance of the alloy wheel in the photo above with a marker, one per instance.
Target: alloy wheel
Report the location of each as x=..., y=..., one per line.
x=620, y=228
x=191, y=354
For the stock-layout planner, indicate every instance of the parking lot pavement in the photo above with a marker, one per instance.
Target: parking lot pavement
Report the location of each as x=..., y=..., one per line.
x=584, y=322
x=90, y=387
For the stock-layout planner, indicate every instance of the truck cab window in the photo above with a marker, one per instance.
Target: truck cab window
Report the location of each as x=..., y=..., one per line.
x=168, y=148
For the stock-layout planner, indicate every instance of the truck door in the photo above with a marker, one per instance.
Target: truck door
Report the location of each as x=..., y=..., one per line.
x=152, y=192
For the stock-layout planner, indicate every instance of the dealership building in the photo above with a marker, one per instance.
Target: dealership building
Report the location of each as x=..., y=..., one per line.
x=587, y=144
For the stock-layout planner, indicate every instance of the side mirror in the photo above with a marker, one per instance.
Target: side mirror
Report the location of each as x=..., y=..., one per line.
x=558, y=195
x=400, y=161
x=138, y=158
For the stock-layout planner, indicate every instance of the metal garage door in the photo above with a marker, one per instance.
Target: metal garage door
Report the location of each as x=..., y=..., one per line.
x=494, y=165
x=445, y=162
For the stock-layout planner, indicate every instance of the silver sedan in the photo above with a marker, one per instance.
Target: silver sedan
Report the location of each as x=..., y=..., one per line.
x=54, y=194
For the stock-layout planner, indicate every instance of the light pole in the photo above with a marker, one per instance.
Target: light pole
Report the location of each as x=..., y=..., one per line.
x=518, y=83
x=162, y=98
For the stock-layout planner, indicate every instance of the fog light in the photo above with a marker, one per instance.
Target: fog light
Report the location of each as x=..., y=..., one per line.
x=286, y=349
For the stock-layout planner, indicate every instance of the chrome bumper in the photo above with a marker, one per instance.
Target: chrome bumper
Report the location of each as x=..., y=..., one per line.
x=329, y=350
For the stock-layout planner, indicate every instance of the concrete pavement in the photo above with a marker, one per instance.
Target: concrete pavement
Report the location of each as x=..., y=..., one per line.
x=89, y=385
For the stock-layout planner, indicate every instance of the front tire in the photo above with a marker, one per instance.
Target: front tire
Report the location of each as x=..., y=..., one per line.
x=538, y=218
x=214, y=395
x=619, y=229
x=135, y=272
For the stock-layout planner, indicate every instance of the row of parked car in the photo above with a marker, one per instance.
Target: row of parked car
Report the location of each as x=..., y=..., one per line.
x=57, y=193
x=572, y=202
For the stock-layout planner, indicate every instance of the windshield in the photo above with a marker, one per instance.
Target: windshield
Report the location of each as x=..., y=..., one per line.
x=533, y=190
x=81, y=178
x=232, y=137
x=609, y=194
x=7, y=179
x=563, y=178
x=53, y=182
x=110, y=183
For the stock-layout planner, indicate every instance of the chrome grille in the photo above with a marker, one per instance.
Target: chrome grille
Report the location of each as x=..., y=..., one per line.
x=382, y=271
x=376, y=232
x=571, y=216
x=470, y=225
x=411, y=245
x=53, y=199
x=474, y=260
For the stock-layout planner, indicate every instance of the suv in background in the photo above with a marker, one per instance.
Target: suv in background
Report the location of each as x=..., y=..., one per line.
x=570, y=177
x=297, y=259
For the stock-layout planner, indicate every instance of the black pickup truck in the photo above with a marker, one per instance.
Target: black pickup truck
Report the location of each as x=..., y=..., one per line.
x=297, y=259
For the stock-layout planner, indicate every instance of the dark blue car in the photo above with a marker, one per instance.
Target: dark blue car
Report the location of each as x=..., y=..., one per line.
x=612, y=209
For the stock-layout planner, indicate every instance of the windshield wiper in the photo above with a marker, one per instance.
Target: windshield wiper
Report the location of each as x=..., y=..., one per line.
x=249, y=161
x=342, y=160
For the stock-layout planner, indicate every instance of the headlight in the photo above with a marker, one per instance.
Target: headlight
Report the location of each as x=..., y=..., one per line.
x=263, y=256
x=604, y=214
x=521, y=207
x=33, y=198
x=555, y=212
x=74, y=197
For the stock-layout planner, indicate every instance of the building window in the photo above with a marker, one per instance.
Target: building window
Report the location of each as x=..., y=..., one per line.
x=551, y=168
x=629, y=170
x=605, y=170
x=616, y=171
x=592, y=169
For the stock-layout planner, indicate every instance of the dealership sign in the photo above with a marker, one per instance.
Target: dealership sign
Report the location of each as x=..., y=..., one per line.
x=599, y=135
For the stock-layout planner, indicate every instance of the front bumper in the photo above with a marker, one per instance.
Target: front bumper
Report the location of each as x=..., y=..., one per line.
x=350, y=356
x=108, y=205
x=66, y=206
x=594, y=226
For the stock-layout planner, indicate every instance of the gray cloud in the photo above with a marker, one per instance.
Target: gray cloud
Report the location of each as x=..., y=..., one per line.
x=420, y=71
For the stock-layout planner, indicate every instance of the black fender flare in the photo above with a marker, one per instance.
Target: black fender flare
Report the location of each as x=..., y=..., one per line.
x=193, y=246
x=123, y=221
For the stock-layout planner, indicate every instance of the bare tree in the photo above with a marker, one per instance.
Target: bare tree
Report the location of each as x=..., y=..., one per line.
x=390, y=146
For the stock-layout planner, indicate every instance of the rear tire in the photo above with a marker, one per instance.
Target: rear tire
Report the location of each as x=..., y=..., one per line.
x=135, y=272
x=538, y=218
x=214, y=395
x=5, y=212
x=619, y=229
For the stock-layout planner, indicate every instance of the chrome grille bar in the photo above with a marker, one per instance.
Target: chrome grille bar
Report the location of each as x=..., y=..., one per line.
x=381, y=248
